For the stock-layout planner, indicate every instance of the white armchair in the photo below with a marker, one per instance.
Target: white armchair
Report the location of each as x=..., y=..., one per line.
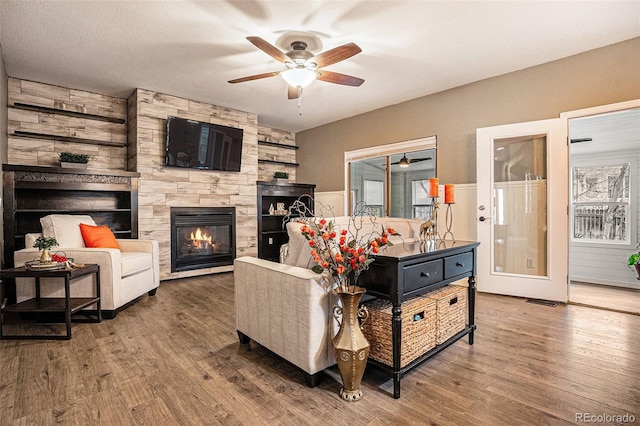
x=125, y=274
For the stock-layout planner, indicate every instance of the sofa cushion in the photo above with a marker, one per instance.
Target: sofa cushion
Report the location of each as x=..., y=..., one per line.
x=65, y=228
x=134, y=262
x=299, y=252
x=98, y=236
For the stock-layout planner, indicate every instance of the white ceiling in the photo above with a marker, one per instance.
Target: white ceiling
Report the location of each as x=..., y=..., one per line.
x=192, y=48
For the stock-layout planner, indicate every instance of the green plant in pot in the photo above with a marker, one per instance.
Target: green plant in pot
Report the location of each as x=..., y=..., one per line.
x=634, y=260
x=73, y=158
x=44, y=244
x=281, y=175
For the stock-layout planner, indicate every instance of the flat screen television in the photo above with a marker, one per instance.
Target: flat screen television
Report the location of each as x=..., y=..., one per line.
x=198, y=145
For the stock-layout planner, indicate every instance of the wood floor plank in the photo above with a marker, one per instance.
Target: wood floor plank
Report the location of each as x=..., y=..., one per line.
x=175, y=359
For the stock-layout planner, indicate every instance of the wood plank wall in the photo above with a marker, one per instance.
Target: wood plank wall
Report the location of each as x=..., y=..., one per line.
x=161, y=188
x=44, y=152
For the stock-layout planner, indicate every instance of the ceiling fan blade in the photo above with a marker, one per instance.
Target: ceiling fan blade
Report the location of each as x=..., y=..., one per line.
x=417, y=160
x=254, y=77
x=292, y=92
x=335, y=77
x=268, y=48
x=336, y=54
x=413, y=160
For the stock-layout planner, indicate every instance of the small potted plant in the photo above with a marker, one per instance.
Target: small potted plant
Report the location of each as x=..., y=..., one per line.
x=282, y=177
x=44, y=244
x=634, y=260
x=73, y=160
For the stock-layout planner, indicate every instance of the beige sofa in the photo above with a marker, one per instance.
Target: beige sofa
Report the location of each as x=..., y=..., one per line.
x=287, y=308
x=125, y=274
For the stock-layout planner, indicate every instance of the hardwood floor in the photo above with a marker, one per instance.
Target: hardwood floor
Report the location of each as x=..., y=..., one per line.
x=618, y=299
x=174, y=359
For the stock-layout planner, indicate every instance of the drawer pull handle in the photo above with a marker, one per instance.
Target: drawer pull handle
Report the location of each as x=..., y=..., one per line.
x=425, y=274
x=460, y=265
x=453, y=301
x=418, y=317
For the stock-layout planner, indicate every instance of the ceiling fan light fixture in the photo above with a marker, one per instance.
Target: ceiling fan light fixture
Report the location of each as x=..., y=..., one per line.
x=404, y=162
x=298, y=77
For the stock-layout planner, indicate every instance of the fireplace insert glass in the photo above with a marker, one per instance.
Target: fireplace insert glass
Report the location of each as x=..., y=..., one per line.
x=202, y=237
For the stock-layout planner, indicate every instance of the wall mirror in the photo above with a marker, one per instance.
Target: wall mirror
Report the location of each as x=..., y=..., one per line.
x=393, y=180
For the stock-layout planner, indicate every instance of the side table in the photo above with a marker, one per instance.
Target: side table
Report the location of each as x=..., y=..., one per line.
x=67, y=304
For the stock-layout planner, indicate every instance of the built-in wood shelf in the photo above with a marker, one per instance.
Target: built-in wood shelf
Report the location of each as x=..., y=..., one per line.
x=73, y=139
x=286, y=163
x=278, y=145
x=68, y=113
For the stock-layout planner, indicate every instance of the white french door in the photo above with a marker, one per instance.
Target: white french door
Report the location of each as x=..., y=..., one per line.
x=522, y=197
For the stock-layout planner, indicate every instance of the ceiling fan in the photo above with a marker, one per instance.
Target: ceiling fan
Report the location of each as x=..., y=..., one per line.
x=404, y=161
x=303, y=67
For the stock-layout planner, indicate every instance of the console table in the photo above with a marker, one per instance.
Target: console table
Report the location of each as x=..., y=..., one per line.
x=67, y=304
x=412, y=269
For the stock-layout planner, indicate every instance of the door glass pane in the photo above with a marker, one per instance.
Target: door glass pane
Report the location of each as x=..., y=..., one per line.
x=520, y=206
x=600, y=197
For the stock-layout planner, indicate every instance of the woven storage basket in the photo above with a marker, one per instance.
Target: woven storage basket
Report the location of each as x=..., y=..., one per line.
x=418, y=329
x=451, y=311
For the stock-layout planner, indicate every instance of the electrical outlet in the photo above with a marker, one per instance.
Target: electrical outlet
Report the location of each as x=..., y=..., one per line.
x=530, y=263
x=270, y=240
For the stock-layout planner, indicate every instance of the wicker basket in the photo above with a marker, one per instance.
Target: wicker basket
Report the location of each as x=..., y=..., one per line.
x=451, y=311
x=418, y=329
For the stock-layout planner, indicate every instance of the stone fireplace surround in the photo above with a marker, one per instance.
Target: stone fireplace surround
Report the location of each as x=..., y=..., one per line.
x=160, y=188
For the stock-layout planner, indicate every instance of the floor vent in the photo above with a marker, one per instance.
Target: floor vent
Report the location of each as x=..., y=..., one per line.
x=543, y=302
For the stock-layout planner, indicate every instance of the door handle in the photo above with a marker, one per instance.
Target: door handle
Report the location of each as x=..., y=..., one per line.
x=482, y=218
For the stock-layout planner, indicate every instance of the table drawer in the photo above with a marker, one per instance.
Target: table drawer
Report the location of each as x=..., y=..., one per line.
x=422, y=275
x=459, y=264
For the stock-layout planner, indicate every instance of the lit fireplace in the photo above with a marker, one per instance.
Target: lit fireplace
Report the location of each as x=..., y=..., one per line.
x=202, y=237
x=198, y=243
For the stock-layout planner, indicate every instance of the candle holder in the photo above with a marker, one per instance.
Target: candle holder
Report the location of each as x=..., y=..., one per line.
x=448, y=221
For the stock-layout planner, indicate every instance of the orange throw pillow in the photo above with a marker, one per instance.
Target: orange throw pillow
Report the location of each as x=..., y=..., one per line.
x=98, y=236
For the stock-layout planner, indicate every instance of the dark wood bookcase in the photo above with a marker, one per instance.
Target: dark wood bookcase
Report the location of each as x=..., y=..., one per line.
x=31, y=192
x=271, y=232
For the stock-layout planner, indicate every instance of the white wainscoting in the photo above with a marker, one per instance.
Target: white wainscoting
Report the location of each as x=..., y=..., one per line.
x=464, y=210
x=329, y=203
x=464, y=213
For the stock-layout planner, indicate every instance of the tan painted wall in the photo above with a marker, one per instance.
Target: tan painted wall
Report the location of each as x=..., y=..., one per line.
x=598, y=77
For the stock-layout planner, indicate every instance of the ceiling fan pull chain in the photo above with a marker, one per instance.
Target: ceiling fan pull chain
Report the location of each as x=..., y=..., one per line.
x=300, y=100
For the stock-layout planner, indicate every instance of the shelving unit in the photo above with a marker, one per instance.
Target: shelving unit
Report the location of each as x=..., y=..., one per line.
x=38, y=108
x=279, y=146
x=68, y=113
x=31, y=192
x=25, y=134
x=271, y=233
x=286, y=163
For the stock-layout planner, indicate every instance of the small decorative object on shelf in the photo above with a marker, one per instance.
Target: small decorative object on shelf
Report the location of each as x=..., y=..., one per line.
x=72, y=160
x=44, y=244
x=341, y=255
x=280, y=210
x=272, y=211
x=281, y=177
x=429, y=229
x=634, y=260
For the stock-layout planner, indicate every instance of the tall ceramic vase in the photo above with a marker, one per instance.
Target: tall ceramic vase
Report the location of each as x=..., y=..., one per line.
x=351, y=347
